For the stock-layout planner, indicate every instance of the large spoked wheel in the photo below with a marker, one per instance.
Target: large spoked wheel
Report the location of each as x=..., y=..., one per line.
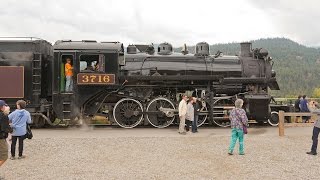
x=128, y=113
x=160, y=112
x=203, y=115
x=274, y=119
x=221, y=111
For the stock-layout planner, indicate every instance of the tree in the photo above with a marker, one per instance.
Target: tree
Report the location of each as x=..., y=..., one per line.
x=316, y=93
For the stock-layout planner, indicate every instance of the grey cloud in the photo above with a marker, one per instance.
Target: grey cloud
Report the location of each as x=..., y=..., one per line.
x=80, y=20
x=129, y=21
x=295, y=19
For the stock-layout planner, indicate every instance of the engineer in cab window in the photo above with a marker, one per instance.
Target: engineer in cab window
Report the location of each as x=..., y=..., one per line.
x=69, y=73
x=97, y=67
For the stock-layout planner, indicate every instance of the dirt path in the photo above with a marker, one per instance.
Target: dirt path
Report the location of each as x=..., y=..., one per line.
x=114, y=153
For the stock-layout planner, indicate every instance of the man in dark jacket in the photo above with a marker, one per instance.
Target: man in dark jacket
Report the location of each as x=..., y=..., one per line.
x=4, y=130
x=304, y=108
x=297, y=106
x=196, y=107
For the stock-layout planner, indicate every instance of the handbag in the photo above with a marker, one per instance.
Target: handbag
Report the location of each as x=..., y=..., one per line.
x=29, y=134
x=244, y=127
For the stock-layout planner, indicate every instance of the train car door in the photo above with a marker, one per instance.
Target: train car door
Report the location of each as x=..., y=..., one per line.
x=62, y=100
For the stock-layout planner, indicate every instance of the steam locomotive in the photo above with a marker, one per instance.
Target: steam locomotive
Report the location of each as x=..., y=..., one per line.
x=138, y=87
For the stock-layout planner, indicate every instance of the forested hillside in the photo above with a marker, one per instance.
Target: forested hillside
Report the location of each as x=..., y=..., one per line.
x=297, y=66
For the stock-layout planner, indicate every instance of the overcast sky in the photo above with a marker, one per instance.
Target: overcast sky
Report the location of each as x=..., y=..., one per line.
x=174, y=21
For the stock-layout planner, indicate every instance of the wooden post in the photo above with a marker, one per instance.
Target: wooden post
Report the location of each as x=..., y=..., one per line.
x=281, y=123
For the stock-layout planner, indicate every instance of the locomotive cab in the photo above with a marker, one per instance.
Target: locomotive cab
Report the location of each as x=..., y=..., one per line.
x=93, y=68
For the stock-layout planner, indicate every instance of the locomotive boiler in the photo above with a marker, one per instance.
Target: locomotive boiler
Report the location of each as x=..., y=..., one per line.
x=156, y=77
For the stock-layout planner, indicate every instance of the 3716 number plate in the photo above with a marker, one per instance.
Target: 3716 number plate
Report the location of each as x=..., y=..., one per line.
x=84, y=78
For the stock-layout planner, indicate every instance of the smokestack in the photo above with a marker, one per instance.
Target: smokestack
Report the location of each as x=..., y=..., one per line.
x=246, y=49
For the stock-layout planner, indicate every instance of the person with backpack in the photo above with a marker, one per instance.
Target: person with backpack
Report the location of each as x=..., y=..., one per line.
x=19, y=119
x=4, y=130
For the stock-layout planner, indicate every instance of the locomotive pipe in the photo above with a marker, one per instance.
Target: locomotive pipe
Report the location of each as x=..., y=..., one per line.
x=44, y=117
x=246, y=80
x=104, y=99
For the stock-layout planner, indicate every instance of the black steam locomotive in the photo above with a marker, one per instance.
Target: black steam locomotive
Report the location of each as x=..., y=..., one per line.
x=138, y=87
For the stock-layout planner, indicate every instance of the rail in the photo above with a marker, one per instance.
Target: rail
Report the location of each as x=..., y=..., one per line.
x=20, y=38
x=283, y=114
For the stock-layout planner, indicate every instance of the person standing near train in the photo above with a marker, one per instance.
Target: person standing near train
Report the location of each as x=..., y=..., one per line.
x=4, y=130
x=182, y=114
x=314, y=109
x=190, y=114
x=69, y=74
x=304, y=108
x=238, y=120
x=196, y=107
x=297, y=106
x=19, y=119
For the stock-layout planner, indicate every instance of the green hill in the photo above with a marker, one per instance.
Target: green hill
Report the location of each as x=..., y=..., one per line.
x=297, y=66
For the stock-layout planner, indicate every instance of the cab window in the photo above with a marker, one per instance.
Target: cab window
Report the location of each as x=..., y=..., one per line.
x=92, y=63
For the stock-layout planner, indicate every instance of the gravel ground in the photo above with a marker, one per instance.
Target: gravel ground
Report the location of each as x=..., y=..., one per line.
x=114, y=153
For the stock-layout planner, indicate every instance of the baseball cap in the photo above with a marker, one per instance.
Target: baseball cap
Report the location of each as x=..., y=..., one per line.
x=3, y=103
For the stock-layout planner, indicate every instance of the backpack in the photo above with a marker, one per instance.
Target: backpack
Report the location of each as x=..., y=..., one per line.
x=29, y=134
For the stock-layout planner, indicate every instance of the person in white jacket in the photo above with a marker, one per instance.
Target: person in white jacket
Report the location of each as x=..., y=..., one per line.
x=182, y=114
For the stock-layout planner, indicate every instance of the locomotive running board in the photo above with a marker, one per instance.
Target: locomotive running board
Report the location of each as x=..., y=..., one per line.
x=171, y=78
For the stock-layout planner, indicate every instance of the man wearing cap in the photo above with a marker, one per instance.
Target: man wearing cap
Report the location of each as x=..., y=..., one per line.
x=4, y=130
x=69, y=73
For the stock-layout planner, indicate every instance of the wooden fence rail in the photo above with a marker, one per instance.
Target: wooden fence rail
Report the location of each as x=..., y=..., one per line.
x=282, y=114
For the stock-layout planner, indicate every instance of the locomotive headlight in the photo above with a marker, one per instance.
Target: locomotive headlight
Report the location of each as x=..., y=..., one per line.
x=273, y=73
